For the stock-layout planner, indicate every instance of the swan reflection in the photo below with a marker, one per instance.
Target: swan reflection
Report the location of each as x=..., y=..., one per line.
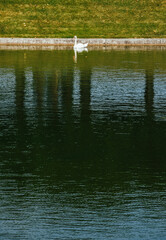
x=78, y=51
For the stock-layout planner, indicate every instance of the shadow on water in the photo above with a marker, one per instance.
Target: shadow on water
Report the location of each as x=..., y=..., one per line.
x=95, y=128
x=54, y=134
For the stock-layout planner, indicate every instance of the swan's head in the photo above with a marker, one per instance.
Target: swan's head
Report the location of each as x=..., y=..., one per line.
x=75, y=37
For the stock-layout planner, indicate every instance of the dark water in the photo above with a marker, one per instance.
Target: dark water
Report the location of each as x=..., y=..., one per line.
x=83, y=145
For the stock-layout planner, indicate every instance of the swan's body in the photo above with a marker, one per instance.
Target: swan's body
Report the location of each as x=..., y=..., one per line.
x=79, y=45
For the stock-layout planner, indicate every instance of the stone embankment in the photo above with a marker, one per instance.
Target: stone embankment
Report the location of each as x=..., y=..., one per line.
x=90, y=41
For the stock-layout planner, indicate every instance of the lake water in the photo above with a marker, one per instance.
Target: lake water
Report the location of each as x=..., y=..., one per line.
x=83, y=144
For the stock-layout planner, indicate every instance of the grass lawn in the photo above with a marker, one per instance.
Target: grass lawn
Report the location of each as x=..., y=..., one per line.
x=84, y=18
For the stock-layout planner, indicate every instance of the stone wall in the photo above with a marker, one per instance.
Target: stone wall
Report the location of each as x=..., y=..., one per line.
x=90, y=41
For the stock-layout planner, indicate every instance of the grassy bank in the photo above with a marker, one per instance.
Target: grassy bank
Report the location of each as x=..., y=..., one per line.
x=85, y=18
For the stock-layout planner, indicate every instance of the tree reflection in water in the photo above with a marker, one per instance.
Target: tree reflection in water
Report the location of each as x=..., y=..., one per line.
x=103, y=158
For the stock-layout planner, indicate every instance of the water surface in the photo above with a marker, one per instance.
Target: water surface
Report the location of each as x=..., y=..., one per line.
x=82, y=144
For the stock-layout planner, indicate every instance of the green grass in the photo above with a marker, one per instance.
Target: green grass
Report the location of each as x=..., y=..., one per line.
x=84, y=18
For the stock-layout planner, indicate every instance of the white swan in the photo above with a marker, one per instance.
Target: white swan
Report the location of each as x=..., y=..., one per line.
x=79, y=45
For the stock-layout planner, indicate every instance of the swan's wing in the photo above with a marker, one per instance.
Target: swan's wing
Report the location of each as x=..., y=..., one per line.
x=86, y=44
x=80, y=45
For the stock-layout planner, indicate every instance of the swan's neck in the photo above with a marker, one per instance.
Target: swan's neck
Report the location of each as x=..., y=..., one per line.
x=75, y=41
